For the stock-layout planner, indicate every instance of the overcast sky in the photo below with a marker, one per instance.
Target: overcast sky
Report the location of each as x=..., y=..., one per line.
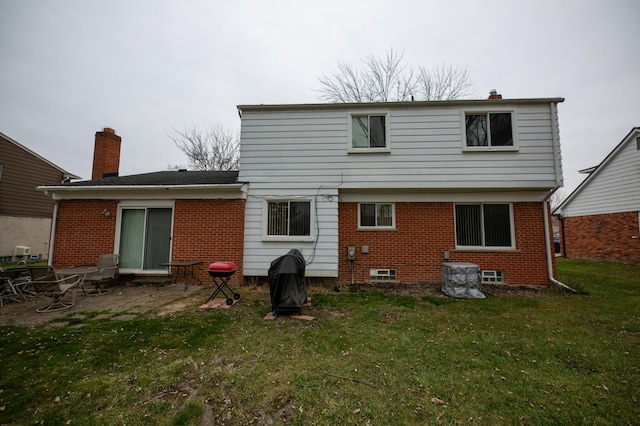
x=72, y=67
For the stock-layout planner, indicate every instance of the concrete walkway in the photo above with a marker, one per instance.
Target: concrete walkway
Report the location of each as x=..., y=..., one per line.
x=123, y=301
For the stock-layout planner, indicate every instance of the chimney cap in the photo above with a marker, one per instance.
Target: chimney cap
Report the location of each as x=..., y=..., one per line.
x=109, y=130
x=493, y=94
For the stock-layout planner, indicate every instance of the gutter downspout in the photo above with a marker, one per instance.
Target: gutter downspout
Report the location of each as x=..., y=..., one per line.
x=52, y=237
x=548, y=246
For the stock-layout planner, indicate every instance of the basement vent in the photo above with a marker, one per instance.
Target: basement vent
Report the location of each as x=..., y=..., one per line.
x=492, y=277
x=382, y=274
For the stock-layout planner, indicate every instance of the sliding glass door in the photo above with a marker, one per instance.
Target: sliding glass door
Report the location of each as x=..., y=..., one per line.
x=145, y=238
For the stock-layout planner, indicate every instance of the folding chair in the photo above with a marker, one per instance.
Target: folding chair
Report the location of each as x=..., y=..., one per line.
x=46, y=282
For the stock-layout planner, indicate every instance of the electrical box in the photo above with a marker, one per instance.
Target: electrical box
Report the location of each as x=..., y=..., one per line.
x=351, y=253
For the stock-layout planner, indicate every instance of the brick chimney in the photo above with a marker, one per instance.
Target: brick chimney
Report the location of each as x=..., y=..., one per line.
x=106, y=154
x=493, y=94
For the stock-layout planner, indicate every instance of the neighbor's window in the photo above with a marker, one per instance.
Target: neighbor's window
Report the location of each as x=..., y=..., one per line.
x=368, y=131
x=145, y=238
x=483, y=225
x=379, y=215
x=492, y=129
x=289, y=218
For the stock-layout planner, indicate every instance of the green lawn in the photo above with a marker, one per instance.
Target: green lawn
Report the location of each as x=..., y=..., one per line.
x=552, y=357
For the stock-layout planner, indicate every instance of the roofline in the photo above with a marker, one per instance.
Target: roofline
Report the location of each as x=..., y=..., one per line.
x=19, y=145
x=597, y=169
x=85, y=188
x=392, y=105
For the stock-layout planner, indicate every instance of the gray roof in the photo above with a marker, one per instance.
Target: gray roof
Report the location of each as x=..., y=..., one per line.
x=164, y=178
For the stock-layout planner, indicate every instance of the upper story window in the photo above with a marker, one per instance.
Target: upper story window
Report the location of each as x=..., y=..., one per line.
x=484, y=225
x=489, y=130
x=368, y=132
x=376, y=215
x=288, y=218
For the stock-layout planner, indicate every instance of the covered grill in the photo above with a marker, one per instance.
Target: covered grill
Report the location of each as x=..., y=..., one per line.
x=286, y=283
x=221, y=273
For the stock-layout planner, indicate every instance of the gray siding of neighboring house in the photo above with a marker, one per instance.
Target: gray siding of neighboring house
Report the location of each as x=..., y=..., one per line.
x=22, y=172
x=25, y=213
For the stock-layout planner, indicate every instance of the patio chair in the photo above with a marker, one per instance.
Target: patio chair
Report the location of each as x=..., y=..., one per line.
x=107, y=274
x=46, y=282
x=13, y=283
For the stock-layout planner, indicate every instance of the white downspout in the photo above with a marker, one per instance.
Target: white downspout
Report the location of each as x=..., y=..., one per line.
x=548, y=245
x=52, y=238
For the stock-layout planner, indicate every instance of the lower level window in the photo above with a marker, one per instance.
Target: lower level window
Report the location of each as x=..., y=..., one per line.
x=145, y=238
x=289, y=218
x=483, y=225
x=377, y=215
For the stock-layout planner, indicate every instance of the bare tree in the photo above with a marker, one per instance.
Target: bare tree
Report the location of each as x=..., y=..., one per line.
x=213, y=149
x=389, y=79
x=557, y=198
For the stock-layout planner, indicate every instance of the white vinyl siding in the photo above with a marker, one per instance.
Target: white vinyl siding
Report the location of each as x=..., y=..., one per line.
x=301, y=148
x=319, y=250
x=613, y=188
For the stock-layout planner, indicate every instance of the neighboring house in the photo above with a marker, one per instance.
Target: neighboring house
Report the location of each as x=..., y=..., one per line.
x=149, y=218
x=25, y=213
x=599, y=219
x=390, y=191
x=371, y=191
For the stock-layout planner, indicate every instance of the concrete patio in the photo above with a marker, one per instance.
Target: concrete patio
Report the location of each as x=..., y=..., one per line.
x=123, y=302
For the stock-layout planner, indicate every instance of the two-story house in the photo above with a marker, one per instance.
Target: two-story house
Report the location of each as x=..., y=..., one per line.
x=367, y=191
x=390, y=191
x=25, y=213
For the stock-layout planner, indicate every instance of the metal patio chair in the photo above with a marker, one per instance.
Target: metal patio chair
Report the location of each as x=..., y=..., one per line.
x=46, y=282
x=107, y=274
x=13, y=283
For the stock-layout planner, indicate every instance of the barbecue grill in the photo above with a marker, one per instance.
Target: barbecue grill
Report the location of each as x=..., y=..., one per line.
x=221, y=273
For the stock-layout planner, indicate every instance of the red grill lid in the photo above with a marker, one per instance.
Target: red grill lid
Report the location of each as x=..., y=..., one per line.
x=222, y=267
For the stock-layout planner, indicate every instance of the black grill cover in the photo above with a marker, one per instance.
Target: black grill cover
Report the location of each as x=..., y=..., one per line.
x=286, y=283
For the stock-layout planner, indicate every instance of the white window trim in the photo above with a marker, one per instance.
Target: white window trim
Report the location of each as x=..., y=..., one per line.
x=387, y=138
x=265, y=219
x=512, y=247
x=379, y=228
x=514, y=130
x=142, y=204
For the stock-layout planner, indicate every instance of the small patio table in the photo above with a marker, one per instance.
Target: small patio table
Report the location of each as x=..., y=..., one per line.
x=184, y=269
x=82, y=270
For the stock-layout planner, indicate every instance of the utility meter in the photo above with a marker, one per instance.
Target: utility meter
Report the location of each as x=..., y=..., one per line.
x=351, y=253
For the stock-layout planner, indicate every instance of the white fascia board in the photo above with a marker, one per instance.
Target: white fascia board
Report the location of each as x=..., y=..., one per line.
x=445, y=196
x=176, y=192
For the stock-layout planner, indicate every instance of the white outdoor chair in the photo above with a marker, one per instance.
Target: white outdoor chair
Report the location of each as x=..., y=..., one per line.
x=46, y=282
x=107, y=274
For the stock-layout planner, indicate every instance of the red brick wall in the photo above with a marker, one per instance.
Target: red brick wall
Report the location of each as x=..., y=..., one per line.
x=206, y=230
x=211, y=231
x=83, y=233
x=611, y=237
x=424, y=231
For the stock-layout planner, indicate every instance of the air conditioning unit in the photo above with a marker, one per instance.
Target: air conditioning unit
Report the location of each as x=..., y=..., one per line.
x=21, y=251
x=382, y=274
